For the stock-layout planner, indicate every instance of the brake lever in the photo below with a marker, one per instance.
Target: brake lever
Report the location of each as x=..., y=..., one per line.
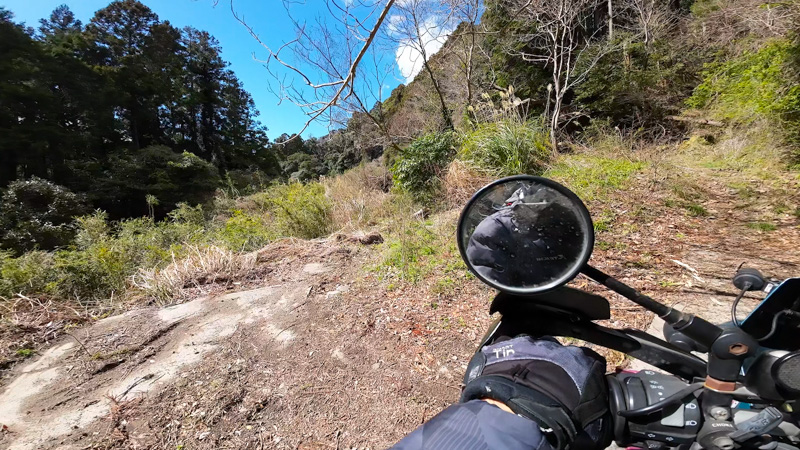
x=755, y=427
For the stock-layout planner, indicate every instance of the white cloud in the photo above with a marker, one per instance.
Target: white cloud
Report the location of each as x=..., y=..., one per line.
x=394, y=23
x=408, y=56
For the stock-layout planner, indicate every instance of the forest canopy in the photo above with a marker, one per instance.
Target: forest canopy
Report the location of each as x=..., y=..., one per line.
x=94, y=106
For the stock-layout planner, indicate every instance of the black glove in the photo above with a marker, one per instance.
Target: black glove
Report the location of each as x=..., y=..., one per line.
x=562, y=389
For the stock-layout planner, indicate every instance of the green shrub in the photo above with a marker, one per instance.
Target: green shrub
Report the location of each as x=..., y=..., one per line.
x=410, y=242
x=92, y=229
x=406, y=250
x=148, y=244
x=95, y=267
x=299, y=210
x=593, y=177
x=419, y=166
x=508, y=147
x=187, y=214
x=753, y=85
x=246, y=182
x=105, y=256
x=28, y=274
x=168, y=176
x=303, y=167
x=37, y=213
x=420, y=249
x=633, y=83
x=95, y=273
x=245, y=232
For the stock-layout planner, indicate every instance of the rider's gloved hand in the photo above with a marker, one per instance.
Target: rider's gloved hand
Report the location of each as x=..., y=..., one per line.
x=562, y=389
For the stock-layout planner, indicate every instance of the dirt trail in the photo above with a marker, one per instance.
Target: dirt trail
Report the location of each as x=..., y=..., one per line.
x=314, y=356
x=689, y=260
x=128, y=359
x=53, y=395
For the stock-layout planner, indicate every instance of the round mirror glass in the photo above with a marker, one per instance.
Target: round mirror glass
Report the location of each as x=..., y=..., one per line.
x=525, y=235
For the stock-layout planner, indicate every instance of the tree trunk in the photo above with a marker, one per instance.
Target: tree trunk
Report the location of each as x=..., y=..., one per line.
x=206, y=129
x=448, y=120
x=469, y=64
x=554, y=122
x=610, y=21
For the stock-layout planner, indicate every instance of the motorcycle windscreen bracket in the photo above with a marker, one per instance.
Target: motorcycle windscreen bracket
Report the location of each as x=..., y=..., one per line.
x=783, y=300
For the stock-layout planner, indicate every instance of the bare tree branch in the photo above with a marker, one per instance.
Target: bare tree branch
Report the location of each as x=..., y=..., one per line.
x=416, y=24
x=561, y=38
x=322, y=55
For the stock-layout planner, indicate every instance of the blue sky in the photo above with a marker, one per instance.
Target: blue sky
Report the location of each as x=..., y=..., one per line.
x=267, y=17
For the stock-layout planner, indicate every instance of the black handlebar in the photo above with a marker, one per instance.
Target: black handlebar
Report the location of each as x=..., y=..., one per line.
x=700, y=330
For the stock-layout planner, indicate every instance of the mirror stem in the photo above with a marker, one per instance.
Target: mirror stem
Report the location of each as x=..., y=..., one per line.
x=628, y=292
x=696, y=328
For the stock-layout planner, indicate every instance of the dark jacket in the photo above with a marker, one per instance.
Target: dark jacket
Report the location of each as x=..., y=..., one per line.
x=475, y=425
x=524, y=246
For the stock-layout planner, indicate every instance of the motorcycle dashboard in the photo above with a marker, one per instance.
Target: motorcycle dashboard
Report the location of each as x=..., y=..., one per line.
x=759, y=323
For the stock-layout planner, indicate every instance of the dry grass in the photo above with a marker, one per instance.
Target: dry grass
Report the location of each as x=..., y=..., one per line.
x=360, y=196
x=462, y=181
x=27, y=324
x=726, y=22
x=203, y=265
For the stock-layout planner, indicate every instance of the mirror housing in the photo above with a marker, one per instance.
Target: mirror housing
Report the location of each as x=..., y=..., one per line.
x=525, y=235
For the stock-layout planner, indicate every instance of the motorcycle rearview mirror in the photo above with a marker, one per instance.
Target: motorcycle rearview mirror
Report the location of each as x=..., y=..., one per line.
x=525, y=235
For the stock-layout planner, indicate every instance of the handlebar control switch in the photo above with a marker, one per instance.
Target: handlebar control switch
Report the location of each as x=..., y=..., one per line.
x=673, y=425
x=715, y=435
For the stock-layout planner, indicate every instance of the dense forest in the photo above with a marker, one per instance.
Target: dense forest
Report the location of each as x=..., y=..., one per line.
x=130, y=115
x=122, y=107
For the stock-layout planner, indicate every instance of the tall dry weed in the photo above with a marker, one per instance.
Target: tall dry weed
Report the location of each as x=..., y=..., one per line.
x=360, y=196
x=202, y=265
x=505, y=107
x=462, y=181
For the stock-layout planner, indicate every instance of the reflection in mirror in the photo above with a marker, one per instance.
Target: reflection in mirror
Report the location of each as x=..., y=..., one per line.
x=525, y=235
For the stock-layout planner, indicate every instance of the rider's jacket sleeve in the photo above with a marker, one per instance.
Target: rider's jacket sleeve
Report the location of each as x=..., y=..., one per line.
x=475, y=425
